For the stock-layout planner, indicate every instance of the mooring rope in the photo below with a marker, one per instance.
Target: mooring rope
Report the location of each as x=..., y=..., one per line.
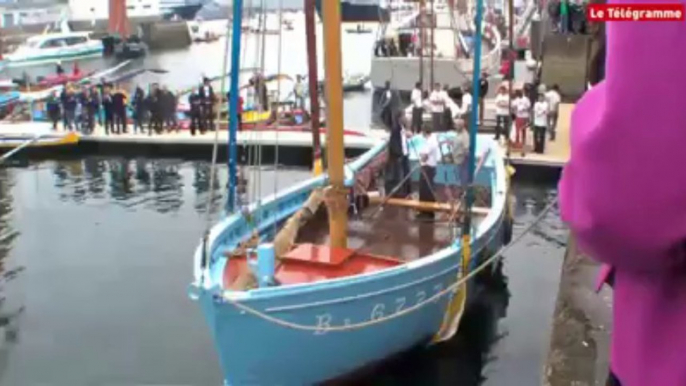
x=438, y=295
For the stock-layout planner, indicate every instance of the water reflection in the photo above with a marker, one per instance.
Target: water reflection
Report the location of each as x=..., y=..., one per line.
x=9, y=311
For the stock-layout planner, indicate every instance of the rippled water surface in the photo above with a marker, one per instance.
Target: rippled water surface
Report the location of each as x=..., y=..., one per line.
x=106, y=244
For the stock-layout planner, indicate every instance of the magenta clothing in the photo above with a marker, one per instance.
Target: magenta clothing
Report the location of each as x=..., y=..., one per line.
x=623, y=193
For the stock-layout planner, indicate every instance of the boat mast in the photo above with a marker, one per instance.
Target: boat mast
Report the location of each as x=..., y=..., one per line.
x=233, y=102
x=511, y=59
x=473, y=129
x=338, y=212
x=422, y=40
x=313, y=80
x=431, y=62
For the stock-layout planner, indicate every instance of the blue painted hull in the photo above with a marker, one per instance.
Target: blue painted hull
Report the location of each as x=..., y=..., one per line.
x=360, y=13
x=257, y=351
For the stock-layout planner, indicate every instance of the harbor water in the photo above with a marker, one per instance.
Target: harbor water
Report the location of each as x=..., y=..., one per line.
x=106, y=246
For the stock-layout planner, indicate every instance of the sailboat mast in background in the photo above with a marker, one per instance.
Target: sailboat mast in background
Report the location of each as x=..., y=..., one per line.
x=313, y=80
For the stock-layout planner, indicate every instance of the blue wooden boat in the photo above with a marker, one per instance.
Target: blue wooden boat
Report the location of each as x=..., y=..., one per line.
x=255, y=350
x=292, y=302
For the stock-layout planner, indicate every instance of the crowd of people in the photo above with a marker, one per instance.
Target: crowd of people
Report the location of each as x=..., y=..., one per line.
x=81, y=108
x=539, y=103
x=568, y=16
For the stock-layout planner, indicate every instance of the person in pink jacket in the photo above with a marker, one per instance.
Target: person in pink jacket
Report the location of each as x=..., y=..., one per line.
x=623, y=194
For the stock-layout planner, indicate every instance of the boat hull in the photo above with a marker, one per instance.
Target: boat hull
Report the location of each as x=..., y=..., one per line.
x=92, y=52
x=296, y=357
x=14, y=135
x=360, y=12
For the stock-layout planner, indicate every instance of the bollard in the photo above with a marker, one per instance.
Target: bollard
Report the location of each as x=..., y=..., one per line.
x=265, y=265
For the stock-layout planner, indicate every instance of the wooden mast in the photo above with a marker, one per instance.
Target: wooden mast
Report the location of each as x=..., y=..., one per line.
x=312, y=78
x=338, y=208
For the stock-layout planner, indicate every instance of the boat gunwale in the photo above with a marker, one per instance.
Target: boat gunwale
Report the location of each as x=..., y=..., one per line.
x=212, y=275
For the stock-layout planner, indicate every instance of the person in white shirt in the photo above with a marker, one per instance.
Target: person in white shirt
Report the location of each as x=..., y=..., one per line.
x=437, y=101
x=521, y=107
x=553, y=98
x=541, y=111
x=502, y=113
x=417, y=108
x=429, y=156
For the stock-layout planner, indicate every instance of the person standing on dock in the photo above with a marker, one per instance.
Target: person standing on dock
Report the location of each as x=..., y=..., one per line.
x=467, y=101
x=119, y=109
x=169, y=103
x=155, y=107
x=429, y=155
x=139, y=110
x=208, y=99
x=541, y=111
x=437, y=100
x=91, y=107
x=53, y=110
x=417, y=108
x=521, y=106
x=108, y=108
x=554, y=99
x=195, y=103
x=69, y=104
x=502, y=114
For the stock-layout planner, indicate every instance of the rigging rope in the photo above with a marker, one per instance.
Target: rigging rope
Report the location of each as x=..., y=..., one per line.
x=213, y=167
x=278, y=100
x=434, y=298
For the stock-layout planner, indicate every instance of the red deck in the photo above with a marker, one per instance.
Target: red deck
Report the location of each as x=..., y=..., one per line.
x=308, y=263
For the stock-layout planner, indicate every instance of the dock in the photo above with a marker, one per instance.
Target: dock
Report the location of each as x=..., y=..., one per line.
x=290, y=147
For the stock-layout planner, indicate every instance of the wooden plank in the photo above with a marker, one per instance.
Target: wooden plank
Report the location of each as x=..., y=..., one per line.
x=376, y=198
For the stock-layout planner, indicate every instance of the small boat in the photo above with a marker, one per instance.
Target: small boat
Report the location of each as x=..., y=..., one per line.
x=13, y=135
x=51, y=47
x=351, y=83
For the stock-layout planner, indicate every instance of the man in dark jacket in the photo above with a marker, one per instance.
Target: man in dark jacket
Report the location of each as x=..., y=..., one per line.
x=119, y=109
x=208, y=99
x=155, y=107
x=196, y=112
x=53, y=110
x=69, y=104
x=90, y=107
x=139, y=110
x=108, y=108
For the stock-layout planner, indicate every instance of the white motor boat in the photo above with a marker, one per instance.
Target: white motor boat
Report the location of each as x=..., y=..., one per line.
x=51, y=47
